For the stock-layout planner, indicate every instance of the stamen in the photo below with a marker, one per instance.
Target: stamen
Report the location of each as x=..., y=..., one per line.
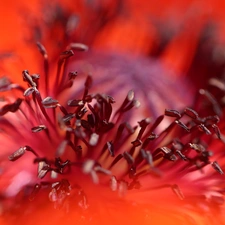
x=49, y=102
x=20, y=152
x=62, y=60
x=212, y=100
x=38, y=128
x=28, y=91
x=172, y=113
x=110, y=148
x=191, y=113
x=216, y=130
x=75, y=103
x=148, y=157
x=5, y=84
x=182, y=125
x=43, y=52
x=129, y=158
x=216, y=166
x=11, y=107
x=78, y=47
x=43, y=169
x=35, y=191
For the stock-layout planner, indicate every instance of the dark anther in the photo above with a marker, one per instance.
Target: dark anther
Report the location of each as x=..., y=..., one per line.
x=216, y=166
x=5, y=84
x=42, y=49
x=182, y=156
x=147, y=156
x=35, y=191
x=191, y=113
x=196, y=147
x=68, y=117
x=72, y=75
x=20, y=152
x=177, y=144
x=209, y=120
x=63, y=109
x=216, y=130
x=110, y=99
x=28, y=79
x=168, y=154
x=85, y=124
x=143, y=124
x=81, y=113
x=75, y=103
x=172, y=113
x=66, y=54
x=136, y=143
x=181, y=124
x=135, y=103
x=43, y=169
x=132, y=172
x=205, y=156
x=35, y=77
x=203, y=128
x=151, y=137
x=129, y=158
x=60, y=165
x=28, y=91
x=49, y=102
x=11, y=107
x=110, y=148
x=78, y=47
x=17, y=154
x=129, y=98
x=38, y=128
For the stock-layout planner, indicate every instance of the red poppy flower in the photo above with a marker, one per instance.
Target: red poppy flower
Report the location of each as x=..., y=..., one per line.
x=75, y=147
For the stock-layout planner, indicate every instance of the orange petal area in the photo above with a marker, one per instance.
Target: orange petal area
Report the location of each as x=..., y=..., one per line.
x=180, y=52
x=128, y=35
x=14, y=47
x=106, y=207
